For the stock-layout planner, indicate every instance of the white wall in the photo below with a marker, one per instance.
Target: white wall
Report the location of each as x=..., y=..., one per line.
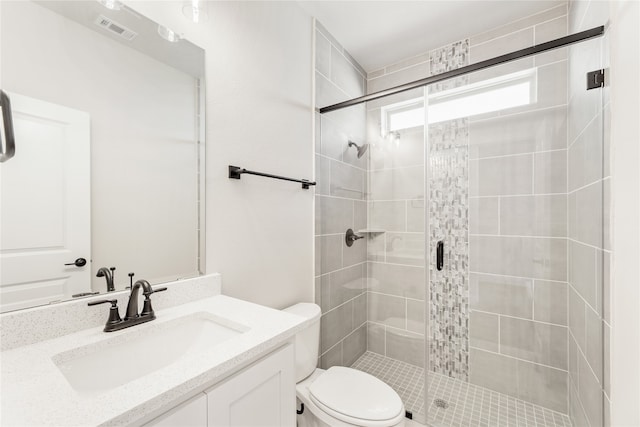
x=259, y=116
x=144, y=156
x=625, y=149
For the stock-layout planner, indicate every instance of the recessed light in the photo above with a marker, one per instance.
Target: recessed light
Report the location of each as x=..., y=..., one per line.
x=111, y=4
x=168, y=34
x=195, y=10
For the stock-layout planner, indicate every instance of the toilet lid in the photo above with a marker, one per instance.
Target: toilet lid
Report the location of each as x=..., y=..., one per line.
x=352, y=396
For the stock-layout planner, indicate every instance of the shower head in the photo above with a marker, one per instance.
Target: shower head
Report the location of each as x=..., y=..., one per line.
x=361, y=148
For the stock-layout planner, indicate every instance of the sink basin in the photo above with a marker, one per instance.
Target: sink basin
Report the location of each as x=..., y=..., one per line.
x=133, y=353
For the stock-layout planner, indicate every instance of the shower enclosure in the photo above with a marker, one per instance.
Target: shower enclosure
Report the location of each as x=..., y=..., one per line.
x=478, y=289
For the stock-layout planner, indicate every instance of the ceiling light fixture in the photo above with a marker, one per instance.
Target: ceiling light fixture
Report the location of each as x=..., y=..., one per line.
x=195, y=10
x=111, y=4
x=168, y=34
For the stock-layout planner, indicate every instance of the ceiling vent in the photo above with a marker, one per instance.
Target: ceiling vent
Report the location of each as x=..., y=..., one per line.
x=115, y=28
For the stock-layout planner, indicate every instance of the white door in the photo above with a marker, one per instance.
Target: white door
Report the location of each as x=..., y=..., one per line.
x=45, y=205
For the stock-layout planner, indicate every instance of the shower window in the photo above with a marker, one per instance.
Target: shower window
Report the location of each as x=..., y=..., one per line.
x=500, y=93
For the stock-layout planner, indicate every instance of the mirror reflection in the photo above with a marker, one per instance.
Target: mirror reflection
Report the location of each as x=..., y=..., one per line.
x=109, y=152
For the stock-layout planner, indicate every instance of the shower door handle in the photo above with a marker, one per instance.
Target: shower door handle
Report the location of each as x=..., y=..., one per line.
x=440, y=255
x=8, y=146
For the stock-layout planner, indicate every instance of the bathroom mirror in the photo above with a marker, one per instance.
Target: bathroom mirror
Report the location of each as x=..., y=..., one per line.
x=108, y=111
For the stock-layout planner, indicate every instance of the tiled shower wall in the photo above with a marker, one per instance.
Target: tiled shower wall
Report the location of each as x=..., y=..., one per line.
x=340, y=204
x=589, y=243
x=517, y=308
x=518, y=237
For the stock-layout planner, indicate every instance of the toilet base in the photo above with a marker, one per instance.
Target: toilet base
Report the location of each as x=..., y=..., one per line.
x=308, y=419
x=313, y=416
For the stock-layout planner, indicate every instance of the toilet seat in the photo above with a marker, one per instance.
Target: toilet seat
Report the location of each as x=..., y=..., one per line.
x=356, y=397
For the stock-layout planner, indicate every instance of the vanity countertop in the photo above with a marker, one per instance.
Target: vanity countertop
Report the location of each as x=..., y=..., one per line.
x=35, y=392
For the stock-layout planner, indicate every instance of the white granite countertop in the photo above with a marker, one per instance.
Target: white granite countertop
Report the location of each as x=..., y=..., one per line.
x=36, y=393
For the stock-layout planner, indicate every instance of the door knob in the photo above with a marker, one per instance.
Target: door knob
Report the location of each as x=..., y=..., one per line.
x=80, y=262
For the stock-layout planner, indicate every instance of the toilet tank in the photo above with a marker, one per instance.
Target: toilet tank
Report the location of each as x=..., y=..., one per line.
x=307, y=340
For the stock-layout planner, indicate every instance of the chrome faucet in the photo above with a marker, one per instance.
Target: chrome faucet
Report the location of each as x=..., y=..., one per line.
x=109, y=276
x=132, y=318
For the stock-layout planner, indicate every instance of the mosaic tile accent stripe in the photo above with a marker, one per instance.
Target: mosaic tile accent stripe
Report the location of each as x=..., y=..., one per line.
x=449, y=222
x=467, y=404
x=448, y=181
x=449, y=58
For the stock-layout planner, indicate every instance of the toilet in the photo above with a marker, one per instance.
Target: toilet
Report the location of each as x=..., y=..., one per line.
x=338, y=396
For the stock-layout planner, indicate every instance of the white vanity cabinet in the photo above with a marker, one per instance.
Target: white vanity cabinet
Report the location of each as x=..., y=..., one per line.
x=263, y=394
x=192, y=413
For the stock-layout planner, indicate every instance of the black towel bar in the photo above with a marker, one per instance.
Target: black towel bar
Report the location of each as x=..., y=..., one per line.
x=235, y=172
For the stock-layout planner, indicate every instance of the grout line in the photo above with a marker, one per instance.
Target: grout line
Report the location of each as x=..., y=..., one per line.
x=517, y=236
x=320, y=154
x=519, y=318
x=533, y=304
x=384, y=248
x=499, y=217
x=522, y=360
x=333, y=83
x=586, y=303
x=398, y=168
x=522, y=19
x=516, y=277
x=410, y=199
x=353, y=215
x=582, y=131
x=598, y=181
x=517, y=195
x=339, y=269
x=499, y=335
x=585, y=244
x=342, y=304
x=524, y=153
x=406, y=215
x=339, y=197
x=384, y=329
x=406, y=314
x=386, y=74
x=341, y=50
x=394, y=263
x=584, y=356
x=533, y=173
x=519, y=113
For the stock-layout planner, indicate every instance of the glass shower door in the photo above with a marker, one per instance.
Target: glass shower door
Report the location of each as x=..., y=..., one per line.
x=515, y=186
x=395, y=247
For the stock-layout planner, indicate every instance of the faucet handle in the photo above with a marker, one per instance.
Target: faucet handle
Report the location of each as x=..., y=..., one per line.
x=147, y=310
x=153, y=291
x=113, y=302
x=114, y=314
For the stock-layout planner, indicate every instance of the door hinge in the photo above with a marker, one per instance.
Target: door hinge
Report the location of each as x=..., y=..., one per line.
x=595, y=79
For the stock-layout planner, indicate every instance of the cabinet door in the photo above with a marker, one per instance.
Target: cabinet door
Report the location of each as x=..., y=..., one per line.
x=264, y=394
x=192, y=413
